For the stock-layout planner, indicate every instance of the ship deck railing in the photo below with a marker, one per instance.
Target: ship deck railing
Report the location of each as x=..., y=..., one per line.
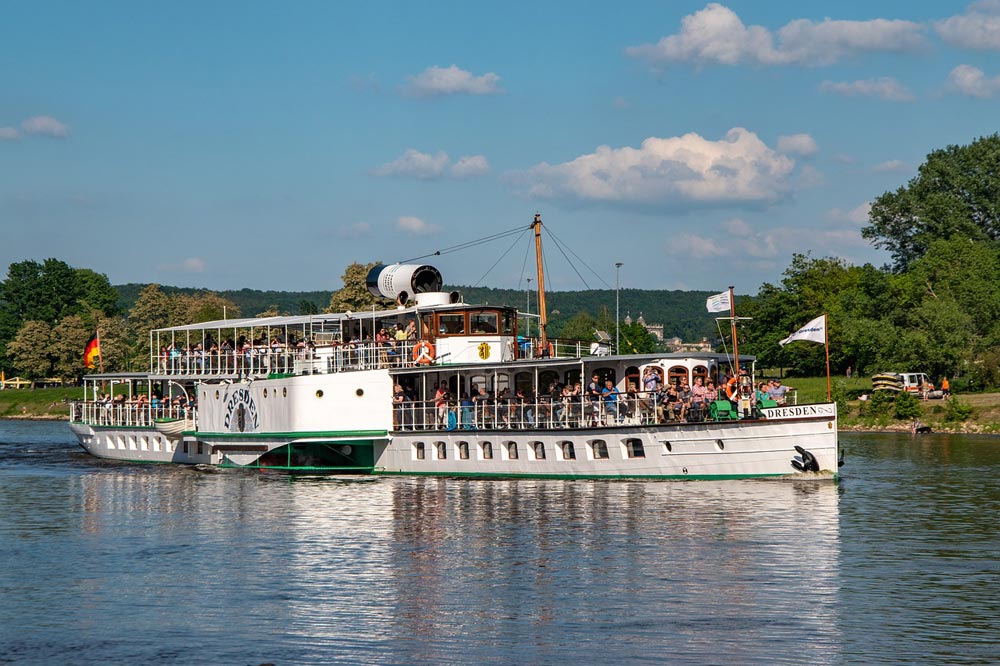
x=548, y=414
x=125, y=414
x=261, y=362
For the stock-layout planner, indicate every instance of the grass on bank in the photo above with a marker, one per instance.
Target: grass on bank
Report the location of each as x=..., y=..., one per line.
x=985, y=416
x=40, y=403
x=938, y=414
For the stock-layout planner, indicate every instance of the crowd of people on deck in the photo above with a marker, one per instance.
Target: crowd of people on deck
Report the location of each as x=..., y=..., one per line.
x=599, y=403
x=137, y=409
x=389, y=346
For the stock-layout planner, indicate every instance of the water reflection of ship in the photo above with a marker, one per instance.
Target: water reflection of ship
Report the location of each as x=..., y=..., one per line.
x=535, y=553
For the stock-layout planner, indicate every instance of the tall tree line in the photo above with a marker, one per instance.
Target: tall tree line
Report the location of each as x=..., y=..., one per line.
x=935, y=309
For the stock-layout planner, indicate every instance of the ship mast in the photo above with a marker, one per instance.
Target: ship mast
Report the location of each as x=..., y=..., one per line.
x=542, y=317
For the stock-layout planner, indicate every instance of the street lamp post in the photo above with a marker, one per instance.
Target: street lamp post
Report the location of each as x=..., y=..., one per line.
x=618, y=270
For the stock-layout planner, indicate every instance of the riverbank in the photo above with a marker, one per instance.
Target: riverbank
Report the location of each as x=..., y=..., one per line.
x=40, y=404
x=51, y=404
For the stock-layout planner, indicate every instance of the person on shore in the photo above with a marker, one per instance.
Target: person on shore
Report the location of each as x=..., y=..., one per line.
x=945, y=387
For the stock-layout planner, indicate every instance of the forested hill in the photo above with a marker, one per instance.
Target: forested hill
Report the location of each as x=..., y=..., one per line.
x=250, y=301
x=682, y=313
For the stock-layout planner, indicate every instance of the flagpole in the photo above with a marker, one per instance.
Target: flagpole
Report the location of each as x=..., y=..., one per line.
x=736, y=346
x=826, y=343
x=100, y=358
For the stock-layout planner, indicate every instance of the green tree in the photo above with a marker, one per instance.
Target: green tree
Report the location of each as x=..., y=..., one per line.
x=201, y=307
x=354, y=295
x=68, y=341
x=307, y=307
x=31, y=350
x=635, y=339
x=955, y=194
x=95, y=293
x=580, y=327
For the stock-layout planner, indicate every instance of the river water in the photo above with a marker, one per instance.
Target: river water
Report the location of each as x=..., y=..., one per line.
x=898, y=563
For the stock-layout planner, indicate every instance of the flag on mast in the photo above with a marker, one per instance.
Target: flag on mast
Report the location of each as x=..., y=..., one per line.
x=92, y=352
x=719, y=302
x=814, y=331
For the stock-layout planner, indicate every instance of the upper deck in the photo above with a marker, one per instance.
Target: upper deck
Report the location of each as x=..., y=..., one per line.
x=447, y=334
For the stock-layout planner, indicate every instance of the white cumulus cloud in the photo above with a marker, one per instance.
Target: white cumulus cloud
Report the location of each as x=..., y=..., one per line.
x=677, y=171
x=797, y=144
x=45, y=126
x=415, y=164
x=189, y=265
x=857, y=215
x=469, y=166
x=973, y=82
x=425, y=166
x=892, y=165
x=415, y=226
x=436, y=81
x=886, y=88
x=353, y=231
x=9, y=134
x=978, y=28
x=715, y=35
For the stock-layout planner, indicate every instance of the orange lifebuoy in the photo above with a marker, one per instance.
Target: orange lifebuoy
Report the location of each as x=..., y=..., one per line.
x=423, y=352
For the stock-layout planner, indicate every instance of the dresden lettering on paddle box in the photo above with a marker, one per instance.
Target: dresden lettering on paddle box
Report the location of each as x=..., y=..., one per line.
x=798, y=411
x=241, y=412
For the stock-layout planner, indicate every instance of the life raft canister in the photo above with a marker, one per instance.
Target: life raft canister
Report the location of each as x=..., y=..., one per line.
x=423, y=352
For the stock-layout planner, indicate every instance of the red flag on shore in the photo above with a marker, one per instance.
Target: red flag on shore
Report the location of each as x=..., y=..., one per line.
x=92, y=352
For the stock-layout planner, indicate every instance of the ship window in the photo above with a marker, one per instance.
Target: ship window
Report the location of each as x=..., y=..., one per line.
x=545, y=379
x=568, y=450
x=442, y=450
x=201, y=448
x=418, y=451
x=538, y=450
x=463, y=450
x=634, y=448
x=511, y=448
x=486, y=450
x=603, y=374
x=572, y=377
x=265, y=392
x=599, y=449
x=185, y=447
x=677, y=375
x=700, y=371
x=284, y=391
x=483, y=322
x=508, y=323
x=451, y=324
x=668, y=447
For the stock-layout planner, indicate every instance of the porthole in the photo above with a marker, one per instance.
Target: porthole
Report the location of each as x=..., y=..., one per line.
x=359, y=392
x=265, y=393
x=668, y=447
x=719, y=444
x=319, y=393
x=284, y=391
x=216, y=394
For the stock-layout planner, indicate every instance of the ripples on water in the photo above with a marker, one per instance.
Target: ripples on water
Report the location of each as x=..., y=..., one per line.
x=121, y=563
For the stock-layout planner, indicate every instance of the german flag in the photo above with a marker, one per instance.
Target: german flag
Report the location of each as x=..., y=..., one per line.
x=93, y=351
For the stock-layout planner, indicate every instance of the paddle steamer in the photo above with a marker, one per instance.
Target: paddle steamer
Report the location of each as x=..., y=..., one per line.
x=461, y=395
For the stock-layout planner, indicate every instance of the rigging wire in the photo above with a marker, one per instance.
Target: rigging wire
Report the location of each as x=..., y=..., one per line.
x=468, y=244
x=560, y=244
x=499, y=259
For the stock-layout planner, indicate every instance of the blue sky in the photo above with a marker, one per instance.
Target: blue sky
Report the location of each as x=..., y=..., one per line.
x=267, y=145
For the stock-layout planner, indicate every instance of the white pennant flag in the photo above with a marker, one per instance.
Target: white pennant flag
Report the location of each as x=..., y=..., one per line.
x=814, y=331
x=719, y=302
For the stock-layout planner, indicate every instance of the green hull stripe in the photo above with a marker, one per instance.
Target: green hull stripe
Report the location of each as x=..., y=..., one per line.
x=286, y=435
x=284, y=468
